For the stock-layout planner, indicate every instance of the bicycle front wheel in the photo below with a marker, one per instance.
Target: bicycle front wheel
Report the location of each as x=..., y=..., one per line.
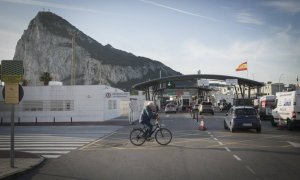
x=136, y=137
x=163, y=136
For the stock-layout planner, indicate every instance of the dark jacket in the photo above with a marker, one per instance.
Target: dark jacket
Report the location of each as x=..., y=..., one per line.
x=147, y=114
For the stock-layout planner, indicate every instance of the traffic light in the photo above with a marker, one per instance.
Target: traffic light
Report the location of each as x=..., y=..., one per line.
x=170, y=85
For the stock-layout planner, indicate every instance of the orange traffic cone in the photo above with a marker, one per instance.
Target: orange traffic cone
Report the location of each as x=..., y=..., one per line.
x=202, y=124
x=280, y=124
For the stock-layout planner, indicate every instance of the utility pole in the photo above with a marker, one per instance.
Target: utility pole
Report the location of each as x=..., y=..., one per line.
x=297, y=83
x=73, y=65
x=279, y=81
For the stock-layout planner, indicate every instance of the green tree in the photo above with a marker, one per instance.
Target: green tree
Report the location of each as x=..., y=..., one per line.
x=45, y=77
x=25, y=82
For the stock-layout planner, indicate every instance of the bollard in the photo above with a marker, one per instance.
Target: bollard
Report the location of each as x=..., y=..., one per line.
x=54, y=120
x=35, y=120
x=1, y=120
x=18, y=120
x=71, y=120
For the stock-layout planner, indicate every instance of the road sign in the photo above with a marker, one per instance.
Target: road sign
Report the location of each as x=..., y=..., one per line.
x=170, y=85
x=12, y=71
x=203, y=82
x=12, y=93
x=231, y=82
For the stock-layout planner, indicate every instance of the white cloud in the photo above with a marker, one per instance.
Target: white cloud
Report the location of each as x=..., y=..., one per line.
x=8, y=44
x=267, y=58
x=178, y=10
x=248, y=18
x=51, y=5
x=286, y=6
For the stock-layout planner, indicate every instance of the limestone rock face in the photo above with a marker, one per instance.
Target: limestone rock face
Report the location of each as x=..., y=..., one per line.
x=47, y=46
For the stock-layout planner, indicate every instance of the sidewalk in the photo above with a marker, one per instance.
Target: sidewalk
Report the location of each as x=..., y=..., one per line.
x=23, y=162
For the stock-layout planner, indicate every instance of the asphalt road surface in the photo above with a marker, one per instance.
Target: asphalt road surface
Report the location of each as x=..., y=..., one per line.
x=193, y=154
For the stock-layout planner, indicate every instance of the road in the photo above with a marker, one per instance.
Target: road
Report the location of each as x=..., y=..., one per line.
x=193, y=154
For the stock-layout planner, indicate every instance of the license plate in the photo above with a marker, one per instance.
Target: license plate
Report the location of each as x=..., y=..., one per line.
x=247, y=124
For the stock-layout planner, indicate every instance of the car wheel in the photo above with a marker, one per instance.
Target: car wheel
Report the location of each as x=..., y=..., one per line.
x=291, y=125
x=258, y=130
x=273, y=122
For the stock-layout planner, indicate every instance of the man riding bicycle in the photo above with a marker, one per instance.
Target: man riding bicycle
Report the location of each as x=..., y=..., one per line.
x=148, y=113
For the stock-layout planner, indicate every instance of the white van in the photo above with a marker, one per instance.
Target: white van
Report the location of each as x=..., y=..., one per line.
x=287, y=109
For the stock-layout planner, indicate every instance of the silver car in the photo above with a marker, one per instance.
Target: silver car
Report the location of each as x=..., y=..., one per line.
x=170, y=108
x=242, y=117
x=206, y=107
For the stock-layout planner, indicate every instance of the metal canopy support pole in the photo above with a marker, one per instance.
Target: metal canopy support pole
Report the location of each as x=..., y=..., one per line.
x=249, y=91
x=12, y=137
x=236, y=92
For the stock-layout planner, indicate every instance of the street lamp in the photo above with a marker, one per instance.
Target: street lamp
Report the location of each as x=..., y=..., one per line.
x=279, y=80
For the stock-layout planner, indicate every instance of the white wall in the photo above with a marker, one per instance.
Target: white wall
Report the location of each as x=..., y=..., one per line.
x=82, y=103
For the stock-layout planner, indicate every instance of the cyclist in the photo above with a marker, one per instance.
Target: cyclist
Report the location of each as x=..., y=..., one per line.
x=146, y=116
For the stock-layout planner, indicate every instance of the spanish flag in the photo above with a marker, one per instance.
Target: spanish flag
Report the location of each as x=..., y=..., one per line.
x=242, y=67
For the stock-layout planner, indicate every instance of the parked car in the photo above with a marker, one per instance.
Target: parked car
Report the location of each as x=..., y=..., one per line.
x=170, y=108
x=242, y=117
x=206, y=107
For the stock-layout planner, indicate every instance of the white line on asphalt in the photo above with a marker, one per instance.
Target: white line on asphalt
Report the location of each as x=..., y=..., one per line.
x=47, y=142
x=220, y=143
x=48, y=156
x=208, y=132
x=167, y=115
x=215, y=139
x=48, y=152
x=237, y=158
x=43, y=148
x=296, y=145
x=227, y=149
x=211, y=135
x=43, y=145
x=251, y=170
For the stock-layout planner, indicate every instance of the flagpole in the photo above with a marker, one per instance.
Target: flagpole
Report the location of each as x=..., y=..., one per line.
x=247, y=68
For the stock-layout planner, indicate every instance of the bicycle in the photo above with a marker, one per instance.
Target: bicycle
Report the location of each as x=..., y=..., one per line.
x=163, y=136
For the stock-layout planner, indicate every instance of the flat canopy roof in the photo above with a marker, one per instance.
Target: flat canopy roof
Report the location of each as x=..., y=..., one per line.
x=155, y=82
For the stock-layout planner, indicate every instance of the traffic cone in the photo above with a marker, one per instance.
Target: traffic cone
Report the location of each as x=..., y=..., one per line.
x=280, y=125
x=202, y=124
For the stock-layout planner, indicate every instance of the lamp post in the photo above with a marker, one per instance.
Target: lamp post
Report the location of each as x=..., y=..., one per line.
x=279, y=80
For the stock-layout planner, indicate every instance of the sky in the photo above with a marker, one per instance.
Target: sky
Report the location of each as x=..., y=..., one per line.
x=213, y=36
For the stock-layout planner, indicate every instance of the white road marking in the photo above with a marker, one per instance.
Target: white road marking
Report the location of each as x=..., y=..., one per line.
x=42, y=148
x=48, y=146
x=220, y=143
x=48, y=156
x=215, y=139
x=48, y=152
x=251, y=170
x=237, y=158
x=296, y=145
x=227, y=149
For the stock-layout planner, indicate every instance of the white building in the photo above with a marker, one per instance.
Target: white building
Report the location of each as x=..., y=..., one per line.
x=63, y=103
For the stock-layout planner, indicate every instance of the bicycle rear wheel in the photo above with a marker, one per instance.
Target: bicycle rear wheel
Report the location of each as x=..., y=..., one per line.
x=136, y=137
x=163, y=136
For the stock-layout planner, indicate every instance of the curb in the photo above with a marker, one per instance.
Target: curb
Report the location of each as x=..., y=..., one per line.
x=23, y=171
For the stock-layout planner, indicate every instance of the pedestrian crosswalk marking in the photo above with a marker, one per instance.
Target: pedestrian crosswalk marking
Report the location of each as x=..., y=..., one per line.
x=48, y=146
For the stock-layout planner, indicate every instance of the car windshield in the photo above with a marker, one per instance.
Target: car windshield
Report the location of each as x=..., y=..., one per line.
x=245, y=112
